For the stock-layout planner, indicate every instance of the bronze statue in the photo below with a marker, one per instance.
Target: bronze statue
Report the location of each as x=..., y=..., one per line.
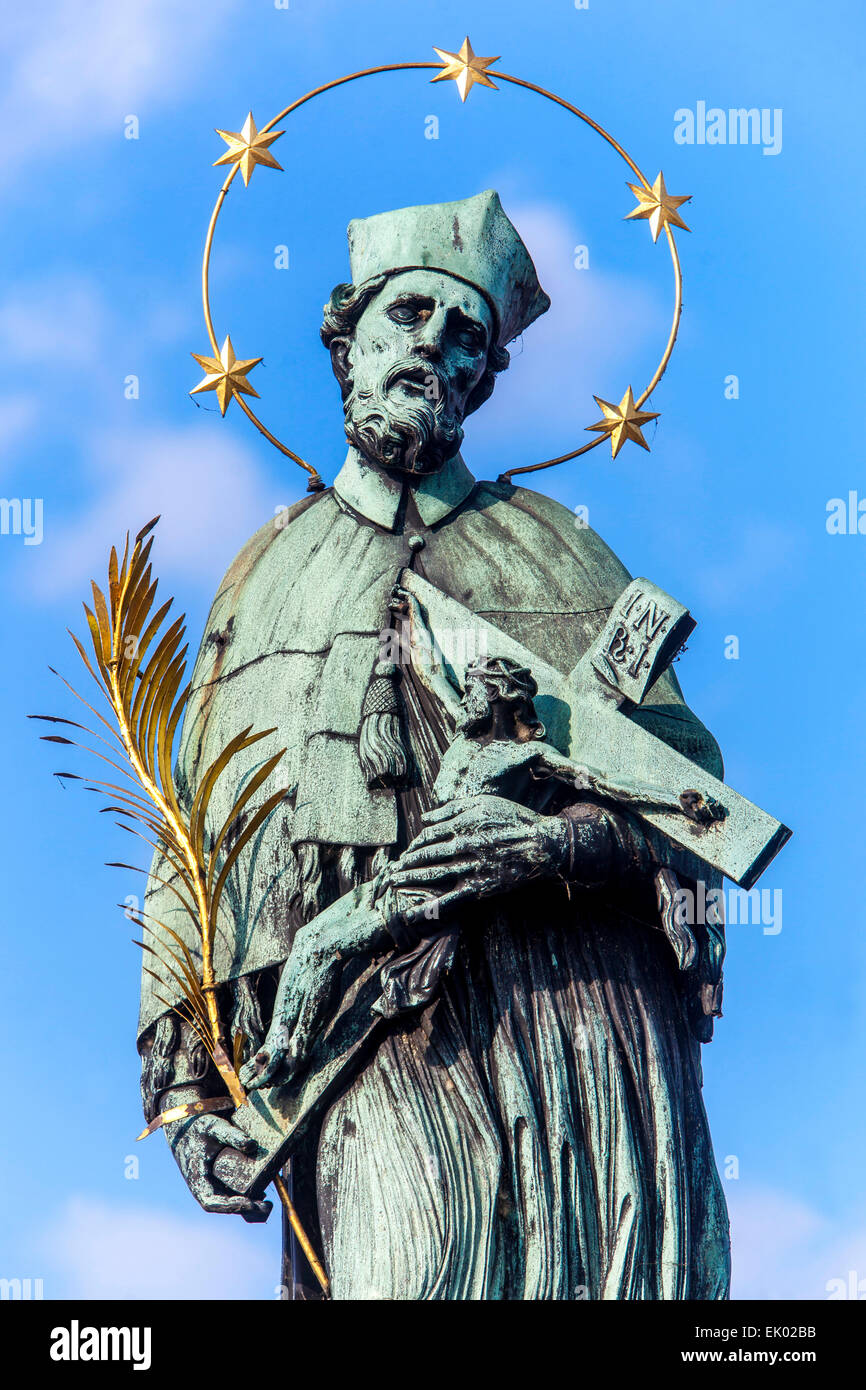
x=468, y=1011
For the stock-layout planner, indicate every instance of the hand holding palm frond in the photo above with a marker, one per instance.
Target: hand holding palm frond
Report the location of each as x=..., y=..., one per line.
x=139, y=666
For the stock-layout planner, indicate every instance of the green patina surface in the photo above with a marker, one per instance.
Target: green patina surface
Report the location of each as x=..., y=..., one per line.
x=536, y=1130
x=292, y=640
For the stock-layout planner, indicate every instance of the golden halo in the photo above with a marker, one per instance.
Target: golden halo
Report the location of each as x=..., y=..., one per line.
x=251, y=146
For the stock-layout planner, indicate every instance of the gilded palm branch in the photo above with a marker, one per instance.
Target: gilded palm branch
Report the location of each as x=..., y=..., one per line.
x=139, y=666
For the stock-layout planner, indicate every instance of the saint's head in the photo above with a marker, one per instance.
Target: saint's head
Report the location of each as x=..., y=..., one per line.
x=498, y=697
x=418, y=337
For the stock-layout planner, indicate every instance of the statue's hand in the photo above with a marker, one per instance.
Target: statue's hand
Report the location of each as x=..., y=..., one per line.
x=309, y=985
x=195, y=1144
x=481, y=845
x=405, y=604
x=305, y=1000
x=402, y=601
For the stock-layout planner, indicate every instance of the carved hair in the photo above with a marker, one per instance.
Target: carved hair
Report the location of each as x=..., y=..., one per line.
x=504, y=679
x=341, y=315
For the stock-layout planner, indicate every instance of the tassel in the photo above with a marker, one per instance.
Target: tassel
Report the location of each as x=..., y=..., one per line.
x=384, y=759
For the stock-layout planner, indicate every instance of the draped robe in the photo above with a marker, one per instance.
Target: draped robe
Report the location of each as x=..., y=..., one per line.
x=538, y=1131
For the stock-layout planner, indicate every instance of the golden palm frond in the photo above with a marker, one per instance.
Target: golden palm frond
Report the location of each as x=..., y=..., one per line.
x=138, y=662
x=139, y=667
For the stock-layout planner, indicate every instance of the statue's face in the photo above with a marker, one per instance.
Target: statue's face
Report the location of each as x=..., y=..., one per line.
x=418, y=352
x=475, y=707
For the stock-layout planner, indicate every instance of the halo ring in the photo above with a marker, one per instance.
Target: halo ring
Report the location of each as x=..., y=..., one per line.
x=315, y=482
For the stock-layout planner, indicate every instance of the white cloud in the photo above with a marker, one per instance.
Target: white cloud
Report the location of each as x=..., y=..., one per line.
x=18, y=414
x=206, y=487
x=97, y=1249
x=201, y=478
x=784, y=1248
x=73, y=71
x=59, y=323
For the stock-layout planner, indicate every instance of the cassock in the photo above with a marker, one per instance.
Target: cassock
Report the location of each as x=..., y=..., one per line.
x=538, y=1130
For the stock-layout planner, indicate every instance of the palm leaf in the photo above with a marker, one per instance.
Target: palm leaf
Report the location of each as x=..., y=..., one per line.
x=258, y=819
x=139, y=665
x=233, y=816
x=208, y=782
x=80, y=697
x=138, y=660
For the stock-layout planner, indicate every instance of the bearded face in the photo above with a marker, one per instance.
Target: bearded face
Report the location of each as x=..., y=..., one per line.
x=475, y=708
x=418, y=351
x=405, y=421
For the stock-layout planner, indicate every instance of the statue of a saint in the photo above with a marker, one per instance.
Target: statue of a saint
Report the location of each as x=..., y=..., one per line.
x=526, y=1119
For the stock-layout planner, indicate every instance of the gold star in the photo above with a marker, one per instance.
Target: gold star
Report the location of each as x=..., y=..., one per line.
x=622, y=422
x=658, y=206
x=247, y=148
x=226, y=375
x=466, y=68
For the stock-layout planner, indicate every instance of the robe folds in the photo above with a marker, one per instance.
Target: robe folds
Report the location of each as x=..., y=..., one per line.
x=538, y=1131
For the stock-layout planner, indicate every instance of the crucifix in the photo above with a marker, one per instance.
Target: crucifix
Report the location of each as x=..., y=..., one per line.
x=590, y=716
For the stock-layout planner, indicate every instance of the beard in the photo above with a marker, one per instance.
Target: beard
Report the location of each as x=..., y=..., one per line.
x=474, y=714
x=411, y=434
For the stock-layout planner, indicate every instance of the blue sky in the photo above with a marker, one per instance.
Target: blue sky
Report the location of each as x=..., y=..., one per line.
x=101, y=239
